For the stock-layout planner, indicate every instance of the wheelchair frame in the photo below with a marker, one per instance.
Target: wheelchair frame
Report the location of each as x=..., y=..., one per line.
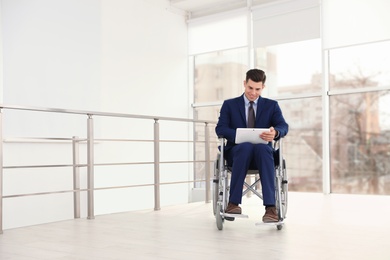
x=221, y=187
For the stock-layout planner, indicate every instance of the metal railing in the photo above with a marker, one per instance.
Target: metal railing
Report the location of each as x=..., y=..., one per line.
x=90, y=141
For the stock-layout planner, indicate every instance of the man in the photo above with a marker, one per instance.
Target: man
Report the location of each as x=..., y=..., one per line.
x=234, y=114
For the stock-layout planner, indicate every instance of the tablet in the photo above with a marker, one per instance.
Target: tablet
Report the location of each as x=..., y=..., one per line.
x=250, y=135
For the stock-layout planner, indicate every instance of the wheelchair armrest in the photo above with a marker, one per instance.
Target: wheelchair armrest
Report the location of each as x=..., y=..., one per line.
x=221, y=138
x=278, y=149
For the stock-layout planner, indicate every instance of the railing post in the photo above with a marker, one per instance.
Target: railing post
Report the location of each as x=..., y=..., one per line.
x=207, y=159
x=1, y=172
x=90, y=162
x=156, y=165
x=76, y=177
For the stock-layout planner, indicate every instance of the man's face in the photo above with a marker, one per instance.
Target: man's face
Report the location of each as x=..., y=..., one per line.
x=253, y=89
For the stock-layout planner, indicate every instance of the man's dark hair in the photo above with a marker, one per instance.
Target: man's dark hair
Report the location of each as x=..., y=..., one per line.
x=256, y=75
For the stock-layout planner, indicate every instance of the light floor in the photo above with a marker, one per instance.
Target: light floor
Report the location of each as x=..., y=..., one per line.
x=317, y=227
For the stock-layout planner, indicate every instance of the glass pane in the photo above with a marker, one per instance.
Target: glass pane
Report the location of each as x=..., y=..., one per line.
x=360, y=143
x=362, y=66
x=292, y=68
x=303, y=144
x=219, y=75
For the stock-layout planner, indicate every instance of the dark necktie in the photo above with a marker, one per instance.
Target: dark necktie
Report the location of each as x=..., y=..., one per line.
x=251, y=116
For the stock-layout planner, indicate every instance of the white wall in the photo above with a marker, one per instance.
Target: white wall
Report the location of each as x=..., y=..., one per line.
x=52, y=53
x=144, y=71
x=108, y=55
x=144, y=59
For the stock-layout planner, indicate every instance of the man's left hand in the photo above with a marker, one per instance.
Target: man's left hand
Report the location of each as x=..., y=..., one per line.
x=269, y=136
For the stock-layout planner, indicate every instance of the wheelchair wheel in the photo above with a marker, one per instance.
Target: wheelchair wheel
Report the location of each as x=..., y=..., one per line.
x=218, y=217
x=284, y=190
x=281, y=194
x=215, y=189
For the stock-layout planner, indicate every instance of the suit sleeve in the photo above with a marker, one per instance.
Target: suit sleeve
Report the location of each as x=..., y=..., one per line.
x=223, y=128
x=278, y=121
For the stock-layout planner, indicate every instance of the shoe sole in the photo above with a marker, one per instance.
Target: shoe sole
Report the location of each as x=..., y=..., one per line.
x=232, y=212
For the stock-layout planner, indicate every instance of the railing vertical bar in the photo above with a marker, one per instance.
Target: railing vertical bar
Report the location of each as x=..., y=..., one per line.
x=156, y=165
x=90, y=163
x=76, y=177
x=1, y=172
x=207, y=159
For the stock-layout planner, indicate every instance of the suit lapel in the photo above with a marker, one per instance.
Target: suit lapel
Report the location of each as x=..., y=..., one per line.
x=241, y=108
x=260, y=106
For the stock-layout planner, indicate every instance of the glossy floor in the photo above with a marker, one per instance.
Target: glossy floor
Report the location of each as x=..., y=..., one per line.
x=317, y=227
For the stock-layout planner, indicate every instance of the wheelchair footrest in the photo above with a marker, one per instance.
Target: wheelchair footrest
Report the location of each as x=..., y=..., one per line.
x=270, y=223
x=234, y=215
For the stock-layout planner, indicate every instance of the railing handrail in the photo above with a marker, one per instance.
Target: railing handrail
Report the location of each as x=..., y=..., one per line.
x=99, y=113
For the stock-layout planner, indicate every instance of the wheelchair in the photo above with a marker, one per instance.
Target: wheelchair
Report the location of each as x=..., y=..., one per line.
x=221, y=182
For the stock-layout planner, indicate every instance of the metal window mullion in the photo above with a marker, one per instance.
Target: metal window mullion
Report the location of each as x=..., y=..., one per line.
x=326, y=189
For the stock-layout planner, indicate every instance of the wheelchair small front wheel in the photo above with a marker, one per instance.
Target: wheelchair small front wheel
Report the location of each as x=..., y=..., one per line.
x=218, y=217
x=279, y=227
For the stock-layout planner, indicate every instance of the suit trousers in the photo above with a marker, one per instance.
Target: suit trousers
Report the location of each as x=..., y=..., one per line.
x=247, y=156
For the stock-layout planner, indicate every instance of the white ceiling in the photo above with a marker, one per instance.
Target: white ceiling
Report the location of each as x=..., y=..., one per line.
x=197, y=8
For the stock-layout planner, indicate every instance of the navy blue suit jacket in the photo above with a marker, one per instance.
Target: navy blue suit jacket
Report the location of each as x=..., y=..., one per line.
x=232, y=116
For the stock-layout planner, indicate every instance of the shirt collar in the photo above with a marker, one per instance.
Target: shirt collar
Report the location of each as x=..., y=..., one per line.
x=247, y=101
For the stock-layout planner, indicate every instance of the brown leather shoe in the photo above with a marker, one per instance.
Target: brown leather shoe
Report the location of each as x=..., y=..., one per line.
x=271, y=215
x=233, y=209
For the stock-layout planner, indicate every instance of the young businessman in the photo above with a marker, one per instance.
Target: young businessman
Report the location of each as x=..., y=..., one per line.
x=252, y=111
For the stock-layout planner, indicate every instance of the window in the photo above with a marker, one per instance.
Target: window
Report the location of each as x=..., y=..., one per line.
x=360, y=119
x=362, y=66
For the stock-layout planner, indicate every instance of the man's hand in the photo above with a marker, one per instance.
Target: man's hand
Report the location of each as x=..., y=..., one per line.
x=268, y=136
